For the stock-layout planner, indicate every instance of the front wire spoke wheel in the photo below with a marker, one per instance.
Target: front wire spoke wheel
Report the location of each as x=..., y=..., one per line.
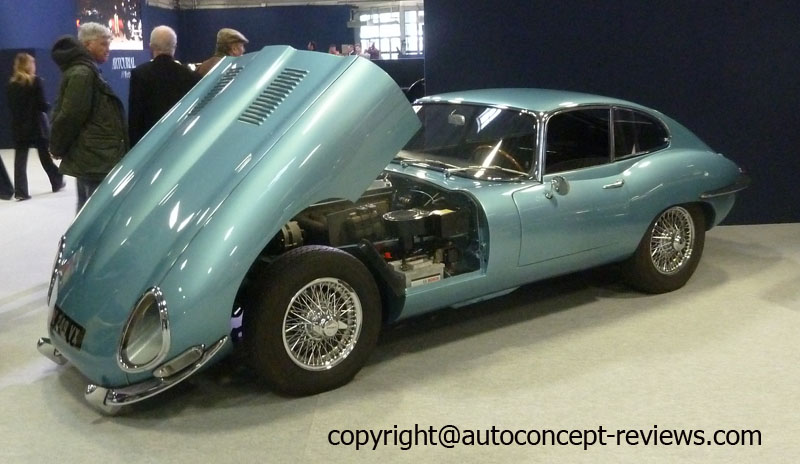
x=311, y=319
x=330, y=314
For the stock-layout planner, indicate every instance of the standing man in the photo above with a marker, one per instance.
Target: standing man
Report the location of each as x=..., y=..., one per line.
x=157, y=85
x=230, y=42
x=88, y=132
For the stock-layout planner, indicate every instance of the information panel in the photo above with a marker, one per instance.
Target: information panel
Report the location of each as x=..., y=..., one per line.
x=123, y=17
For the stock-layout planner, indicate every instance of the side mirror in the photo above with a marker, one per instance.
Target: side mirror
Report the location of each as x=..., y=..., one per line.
x=456, y=119
x=559, y=185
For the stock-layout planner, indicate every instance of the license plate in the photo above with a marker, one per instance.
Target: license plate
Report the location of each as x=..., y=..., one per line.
x=68, y=329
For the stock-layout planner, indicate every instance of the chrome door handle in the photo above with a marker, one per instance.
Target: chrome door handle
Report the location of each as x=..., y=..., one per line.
x=615, y=185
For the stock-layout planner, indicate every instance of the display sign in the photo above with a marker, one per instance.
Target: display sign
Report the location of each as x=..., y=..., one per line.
x=123, y=17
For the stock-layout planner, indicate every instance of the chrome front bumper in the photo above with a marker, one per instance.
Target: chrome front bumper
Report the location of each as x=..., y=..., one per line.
x=169, y=374
x=50, y=352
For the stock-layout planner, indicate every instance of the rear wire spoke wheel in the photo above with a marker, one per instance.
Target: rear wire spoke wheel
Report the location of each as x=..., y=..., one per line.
x=669, y=252
x=311, y=320
x=672, y=241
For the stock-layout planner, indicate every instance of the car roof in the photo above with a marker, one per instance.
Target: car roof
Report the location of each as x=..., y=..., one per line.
x=537, y=100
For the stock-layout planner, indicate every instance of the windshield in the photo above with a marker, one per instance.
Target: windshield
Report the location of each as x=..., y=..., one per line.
x=476, y=141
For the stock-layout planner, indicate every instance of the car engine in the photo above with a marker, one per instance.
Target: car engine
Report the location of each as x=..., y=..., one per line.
x=418, y=232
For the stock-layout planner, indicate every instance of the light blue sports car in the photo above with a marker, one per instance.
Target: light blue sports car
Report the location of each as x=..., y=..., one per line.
x=294, y=202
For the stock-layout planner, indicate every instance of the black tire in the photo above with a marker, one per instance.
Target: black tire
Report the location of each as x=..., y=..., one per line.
x=302, y=347
x=669, y=251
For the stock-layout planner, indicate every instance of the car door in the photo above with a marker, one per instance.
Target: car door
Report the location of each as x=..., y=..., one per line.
x=589, y=208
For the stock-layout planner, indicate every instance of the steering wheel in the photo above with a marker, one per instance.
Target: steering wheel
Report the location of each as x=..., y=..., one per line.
x=501, y=152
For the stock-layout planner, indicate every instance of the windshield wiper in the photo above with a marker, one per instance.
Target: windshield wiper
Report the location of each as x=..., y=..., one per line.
x=425, y=163
x=492, y=167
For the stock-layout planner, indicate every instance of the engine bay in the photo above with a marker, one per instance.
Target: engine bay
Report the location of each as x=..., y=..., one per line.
x=418, y=232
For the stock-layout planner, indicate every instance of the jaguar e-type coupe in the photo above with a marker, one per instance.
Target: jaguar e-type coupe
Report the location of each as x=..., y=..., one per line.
x=294, y=202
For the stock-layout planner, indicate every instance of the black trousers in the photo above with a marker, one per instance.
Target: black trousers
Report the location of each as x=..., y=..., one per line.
x=21, y=165
x=86, y=188
x=6, y=188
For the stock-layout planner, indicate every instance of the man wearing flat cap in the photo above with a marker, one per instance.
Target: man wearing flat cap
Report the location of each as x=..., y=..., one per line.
x=230, y=42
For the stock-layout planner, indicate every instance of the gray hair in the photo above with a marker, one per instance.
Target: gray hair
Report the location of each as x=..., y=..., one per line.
x=93, y=31
x=163, y=39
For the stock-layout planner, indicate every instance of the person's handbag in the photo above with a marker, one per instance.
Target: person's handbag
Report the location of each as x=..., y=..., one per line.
x=44, y=125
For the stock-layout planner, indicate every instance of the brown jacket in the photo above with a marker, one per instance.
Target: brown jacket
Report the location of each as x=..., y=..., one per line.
x=206, y=65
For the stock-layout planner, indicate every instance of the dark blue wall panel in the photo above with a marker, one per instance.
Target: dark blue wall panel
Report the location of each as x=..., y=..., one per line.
x=405, y=72
x=726, y=69
x=35, y=23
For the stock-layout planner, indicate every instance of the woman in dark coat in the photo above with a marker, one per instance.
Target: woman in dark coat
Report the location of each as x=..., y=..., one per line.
x=28, y=124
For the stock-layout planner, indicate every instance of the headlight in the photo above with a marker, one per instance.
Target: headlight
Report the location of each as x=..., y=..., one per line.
x=52, y=292
x=145, y=340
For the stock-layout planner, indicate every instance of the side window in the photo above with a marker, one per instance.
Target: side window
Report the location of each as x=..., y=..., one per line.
x=636, y=133
x=577, y=139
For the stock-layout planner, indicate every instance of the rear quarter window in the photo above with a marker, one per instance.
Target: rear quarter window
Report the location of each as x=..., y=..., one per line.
x=636, y=133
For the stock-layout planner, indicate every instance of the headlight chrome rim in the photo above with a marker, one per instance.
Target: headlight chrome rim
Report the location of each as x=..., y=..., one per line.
x=52, y=291
x=151, y=300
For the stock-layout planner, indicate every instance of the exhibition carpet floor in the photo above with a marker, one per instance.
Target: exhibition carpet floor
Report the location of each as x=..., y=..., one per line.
x=575, y=353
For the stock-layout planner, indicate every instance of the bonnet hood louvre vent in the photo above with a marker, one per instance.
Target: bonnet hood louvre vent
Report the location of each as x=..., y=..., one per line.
x=223, y=82
x=271, y=97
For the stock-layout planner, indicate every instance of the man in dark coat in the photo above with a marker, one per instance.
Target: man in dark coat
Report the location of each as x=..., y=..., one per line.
x=157, y=85
x=88, y=133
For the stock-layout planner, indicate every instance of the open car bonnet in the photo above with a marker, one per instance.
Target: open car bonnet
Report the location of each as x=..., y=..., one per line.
x=261, y=137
